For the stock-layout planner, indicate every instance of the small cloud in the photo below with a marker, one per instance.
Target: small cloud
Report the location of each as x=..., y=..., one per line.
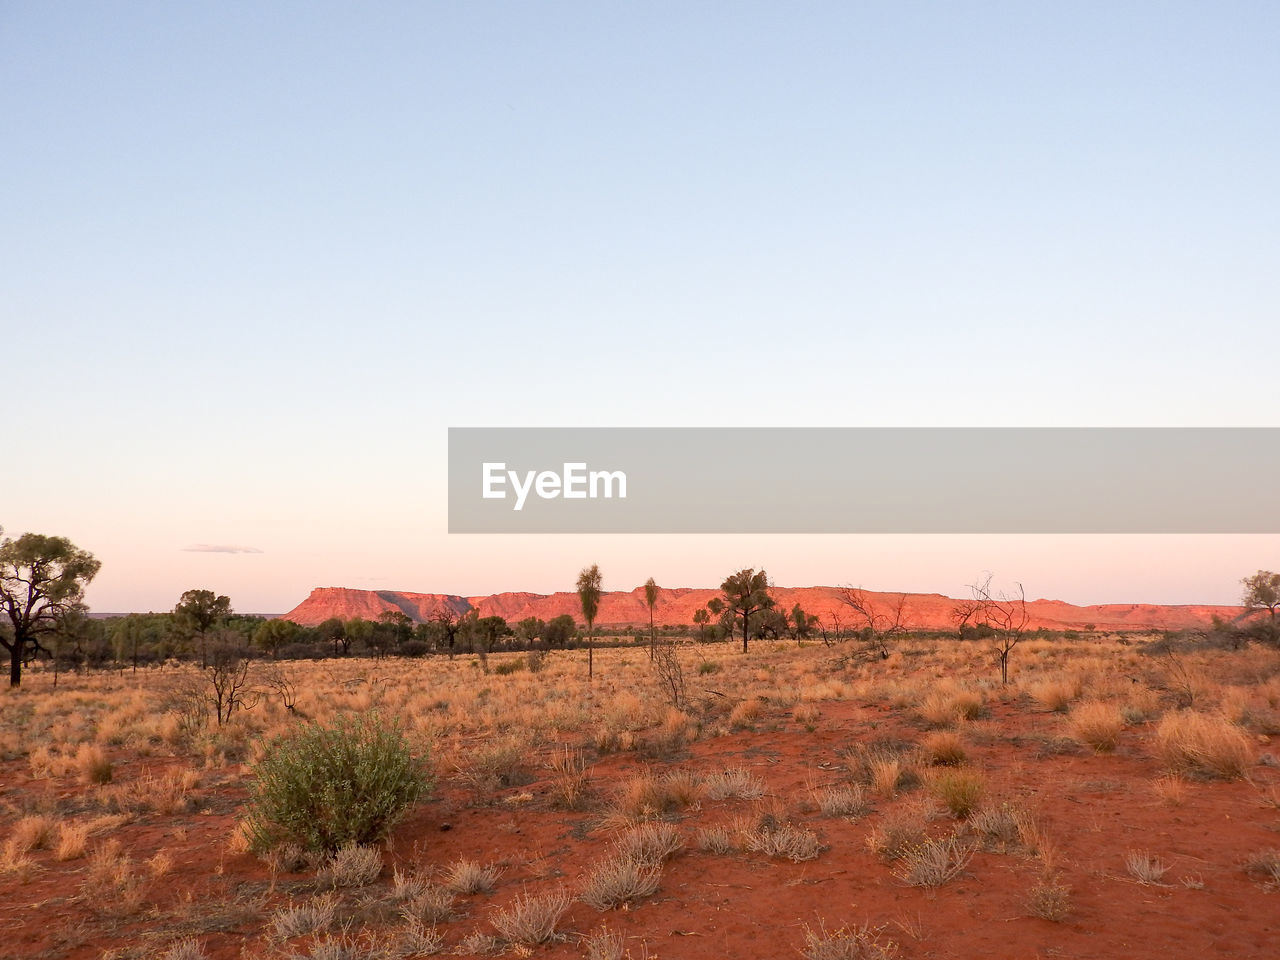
x=218, y=548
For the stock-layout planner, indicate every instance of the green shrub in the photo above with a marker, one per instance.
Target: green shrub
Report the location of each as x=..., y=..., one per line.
x=326, y=786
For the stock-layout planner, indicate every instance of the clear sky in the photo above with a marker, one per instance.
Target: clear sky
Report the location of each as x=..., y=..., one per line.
x=256, y=257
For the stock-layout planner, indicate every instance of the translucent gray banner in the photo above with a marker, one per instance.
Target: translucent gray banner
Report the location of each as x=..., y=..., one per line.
x=864, y=480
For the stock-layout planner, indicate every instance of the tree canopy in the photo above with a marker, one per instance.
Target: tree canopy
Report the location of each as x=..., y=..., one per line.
x=42, y=580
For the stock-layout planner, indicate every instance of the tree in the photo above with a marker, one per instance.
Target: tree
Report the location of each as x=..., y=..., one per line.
x=881, y=620
x=42, y=579
x=1262, y=592
x=1007, y=617
x=445, y=626
x=335, y=630
x=271, y=635
x=651, y=601
x=197, y=612
x=530, y=630
x=701, y=618
x=589, y=582
x=745, y=593
x=802, y=624
x=560, y=630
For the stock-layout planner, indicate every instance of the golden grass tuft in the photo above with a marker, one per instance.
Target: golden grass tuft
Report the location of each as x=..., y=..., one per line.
x=1195, y=744
x=1097, y=725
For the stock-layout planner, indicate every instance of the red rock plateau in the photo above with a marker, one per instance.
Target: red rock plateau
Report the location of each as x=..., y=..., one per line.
x=923, y=611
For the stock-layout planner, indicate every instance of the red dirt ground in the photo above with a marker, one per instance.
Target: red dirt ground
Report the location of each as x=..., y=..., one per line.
x=1093, y=807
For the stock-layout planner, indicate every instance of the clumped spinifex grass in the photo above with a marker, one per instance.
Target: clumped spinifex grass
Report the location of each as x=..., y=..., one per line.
x=847, y=943
x=1195, y=744
x=1049, y=899
x=943, y=748
x=1145, y=867
x=1098, y=725
x=531, y=918
x=301, y=919
x=1264, y=865
x=649, y=842
x=841, y=800
x=734, y=783
x=470, y=876
x=934, y=862
x=353, y=865
x=620, y=879
x=961, y=791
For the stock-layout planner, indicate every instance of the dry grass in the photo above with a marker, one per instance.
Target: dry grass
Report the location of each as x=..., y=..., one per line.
x=33, y=833
x=1169, y=790
x=841, y=800
x=650, y=843
x=1264, y=865
x=92, y=764
x=571, y=781
x=603, y=944
x=783, y=840
x=531, y=919
x=943, y=748
x=734, y=784
x=1049, y=899
x=933, y=862
x=961, y=791
x=353, y=865
x=427, y=903
x=1195, y=744
x=1097, y=725
x=471, y=876
x=303, y=919
x=897, y=832
x=1145, y=867
x=618, y=880
x=847, y=943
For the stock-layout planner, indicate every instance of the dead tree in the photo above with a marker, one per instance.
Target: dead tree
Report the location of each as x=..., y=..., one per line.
x=882, y=621
x=1007, y=616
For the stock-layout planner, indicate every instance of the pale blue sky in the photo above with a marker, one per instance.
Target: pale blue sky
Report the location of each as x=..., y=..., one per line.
x=259, y=256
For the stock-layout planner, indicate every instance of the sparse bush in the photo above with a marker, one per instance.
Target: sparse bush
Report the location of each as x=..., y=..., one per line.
x=783, y=840
x=531, y=919
x=618, y=880
x=1049, y=899
x=431, y=903
x=326, y=786
x=1264, y=865
x=303, y=919
x=188, y=949
x=1001, y=828
x=1145, y=867
x=649, y=842
x=841, y=800
x=603, y=944
x=471, y=876
x=353, y=865
x=933, y=862
x=716, y=839
x=734, y=783
x=847, y=943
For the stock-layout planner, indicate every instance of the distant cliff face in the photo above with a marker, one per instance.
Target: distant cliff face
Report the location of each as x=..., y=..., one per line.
x=931, y=611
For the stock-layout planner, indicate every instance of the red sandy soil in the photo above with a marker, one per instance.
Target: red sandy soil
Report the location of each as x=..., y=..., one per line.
x=924, y=611
x=1093, y=807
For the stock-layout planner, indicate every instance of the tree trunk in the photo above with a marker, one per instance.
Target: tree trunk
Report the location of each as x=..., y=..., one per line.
x=15, y=665
x=746, y=622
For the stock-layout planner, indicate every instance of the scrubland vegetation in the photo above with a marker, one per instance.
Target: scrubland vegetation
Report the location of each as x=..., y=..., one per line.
x=801, y=798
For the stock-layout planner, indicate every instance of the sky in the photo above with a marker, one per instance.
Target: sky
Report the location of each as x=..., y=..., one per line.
x=259, y=257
